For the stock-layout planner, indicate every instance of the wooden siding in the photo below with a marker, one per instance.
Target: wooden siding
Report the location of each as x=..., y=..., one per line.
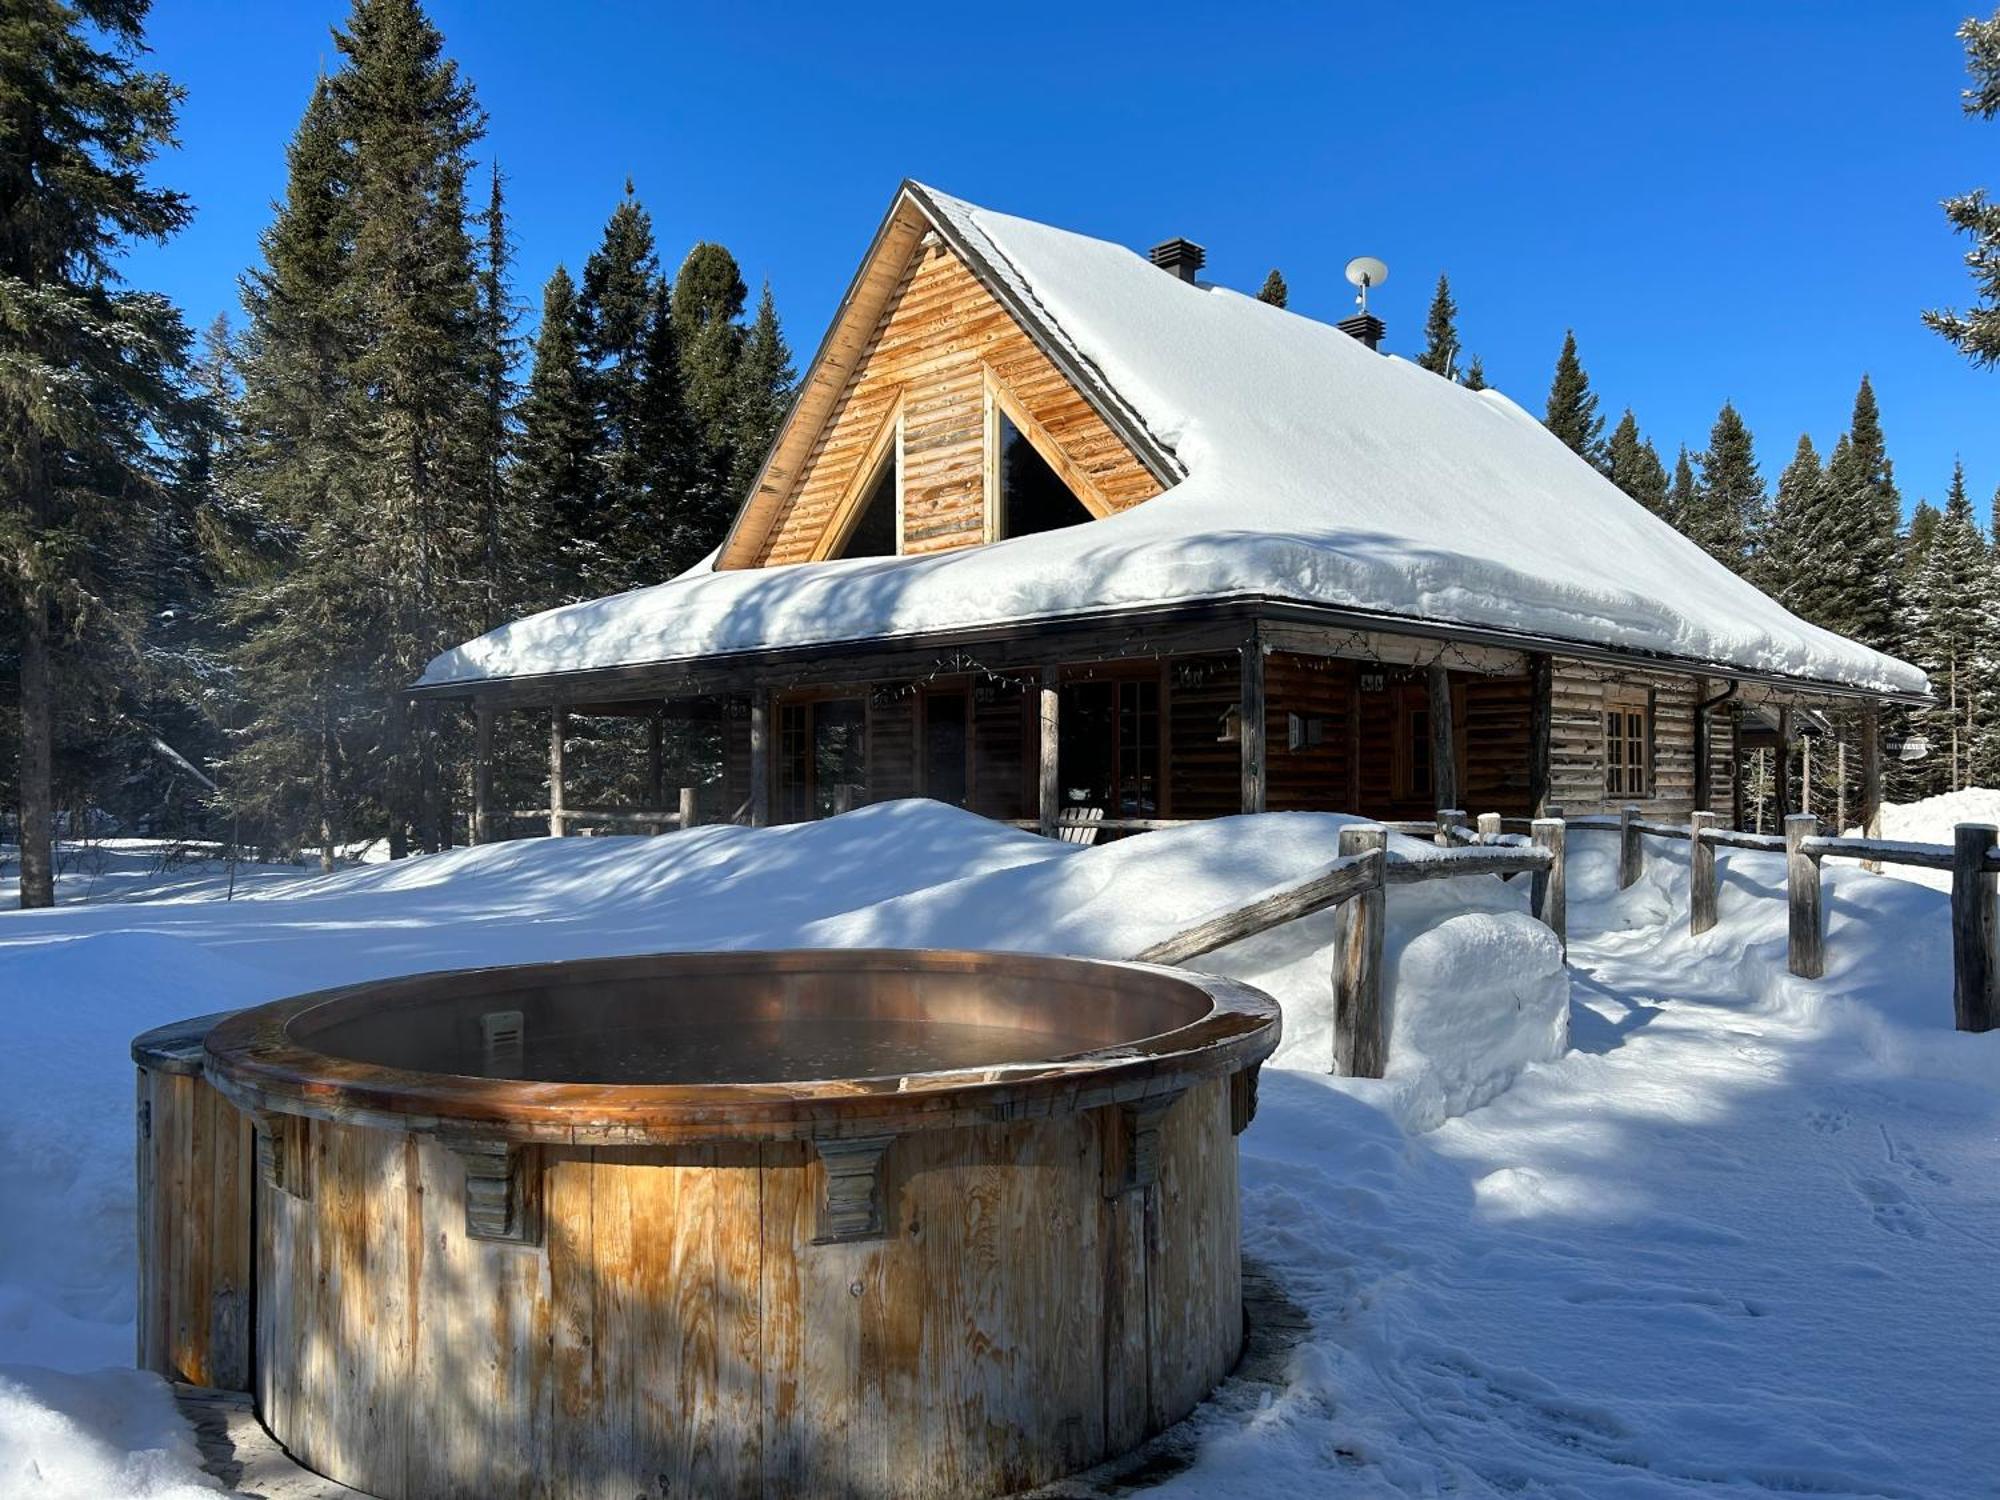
x=1493, y=736
x=1204, y=775
x=1722, y=762
x=939, y=334
x=1576, y=738
x=1312, y=778
x=1000, y=750
x=891, y=746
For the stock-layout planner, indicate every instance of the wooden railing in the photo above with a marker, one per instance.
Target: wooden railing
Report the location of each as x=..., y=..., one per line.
x=1356, y=886
x=567, y=816
x=1972, y=858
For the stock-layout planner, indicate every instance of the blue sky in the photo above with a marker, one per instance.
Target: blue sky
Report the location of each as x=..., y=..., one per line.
x=1725, y=201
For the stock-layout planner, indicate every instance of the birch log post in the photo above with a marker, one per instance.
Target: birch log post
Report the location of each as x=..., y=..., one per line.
x=1974, y=965
x=1049, y=771
x=1360, y=1049
x=1806, y=945
x=1489, y=828
x=690, y=807
x=482, y=773
x=760, y=758
x=558, y=736
x=1549, y=889
x=1701, y=873
x=1449, y=819
x=1631, y=854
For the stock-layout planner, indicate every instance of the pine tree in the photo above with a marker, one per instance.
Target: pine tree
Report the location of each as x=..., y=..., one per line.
x=1633, y=464
x=1783, y=567
x=1441, y=344
x=1728, y=502
x=1475, y=374
x=708, y=298
x=1917, y=537
x=411, y=121
x=302, y=643
x=1274, y=290
x=764, y=377
x=1681, y=493
x=88, y=371
x=1572, y=409
x=555, y=478
x=1950, y=636
x=502, y=563
x=1858, y=543
x=616, y=308
x=1976, y=334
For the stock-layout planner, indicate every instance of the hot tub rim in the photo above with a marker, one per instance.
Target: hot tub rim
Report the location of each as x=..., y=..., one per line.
x=251, y=1059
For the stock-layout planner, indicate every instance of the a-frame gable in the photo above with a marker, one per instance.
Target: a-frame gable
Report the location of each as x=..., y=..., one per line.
x=930, y=340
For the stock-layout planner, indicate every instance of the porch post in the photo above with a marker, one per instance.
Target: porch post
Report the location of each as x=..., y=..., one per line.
x=482, y=773
x=1444, y=739
x=1703, y=772
x=1871, y=770
x=656, y=758
x=1541, y=715
x=760, y=758
x=1250, y=726
x=558, y=731
x=1048, y=767
x=1781, y=784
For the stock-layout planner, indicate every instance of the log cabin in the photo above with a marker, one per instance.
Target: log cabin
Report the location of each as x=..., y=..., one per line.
x=1054, y=530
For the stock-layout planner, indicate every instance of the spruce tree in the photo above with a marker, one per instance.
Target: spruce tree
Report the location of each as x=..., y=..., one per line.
x=616, y=308
x=303, y=642
x=1976, y=333
x=1633, y=464
x=1728, y=503
x=1917, y=537
x=411, y=121
x=708, y=298
x=89, y=371
x=1681, y=493
x=1572, y=408
x=1858, y=543
x=1441, y=346
x=1783, y=567
x=1274, y=290
x=1951, y=638
x=1475, y=374
x=764, y=378
x=555, y=477
x=505, y=537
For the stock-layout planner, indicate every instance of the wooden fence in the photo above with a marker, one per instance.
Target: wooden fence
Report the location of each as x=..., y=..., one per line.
x=1971, y=858
x=1356, y=886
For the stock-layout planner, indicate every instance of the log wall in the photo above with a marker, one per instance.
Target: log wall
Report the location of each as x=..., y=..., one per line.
x=679, y=1334
x=1576, y=738
x=1204, y=775
x=930, y=351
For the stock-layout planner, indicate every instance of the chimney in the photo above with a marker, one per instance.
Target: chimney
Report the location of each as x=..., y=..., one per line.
x=1180, y=258
x=1364, y=326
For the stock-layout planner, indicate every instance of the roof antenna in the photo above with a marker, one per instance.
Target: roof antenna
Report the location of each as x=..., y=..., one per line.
x=1365, y=271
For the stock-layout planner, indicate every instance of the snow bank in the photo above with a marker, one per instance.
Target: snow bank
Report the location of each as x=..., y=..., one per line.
x=1930, y=821
x=110, y=1435
x=1317, y=471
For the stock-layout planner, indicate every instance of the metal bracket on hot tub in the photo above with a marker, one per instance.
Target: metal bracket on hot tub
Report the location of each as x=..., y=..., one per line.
x=852, y=1201
x=1133, y=1160
x=503, y=1191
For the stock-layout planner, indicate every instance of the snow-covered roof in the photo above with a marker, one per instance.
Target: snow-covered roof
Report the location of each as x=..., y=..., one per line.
x=1317, y=472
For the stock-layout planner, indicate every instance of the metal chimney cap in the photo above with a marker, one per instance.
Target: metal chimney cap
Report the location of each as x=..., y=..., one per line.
x=1180, y=256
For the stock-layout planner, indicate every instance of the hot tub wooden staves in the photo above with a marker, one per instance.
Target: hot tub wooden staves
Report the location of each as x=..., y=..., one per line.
x=954, y=1284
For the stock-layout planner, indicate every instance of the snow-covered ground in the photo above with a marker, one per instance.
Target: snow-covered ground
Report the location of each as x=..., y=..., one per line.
x=1736, y=1239
x=1931, y=821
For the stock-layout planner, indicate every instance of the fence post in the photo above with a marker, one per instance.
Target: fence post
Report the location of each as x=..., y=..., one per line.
x=1807, y=941
x=1448, y=819
x=690, y=815
x=1489, y=828
x=1701, y=873
x=1973, y=963
x=1359, y=1047
x=1549, y=889
x=558, y=732
x=1631, y=855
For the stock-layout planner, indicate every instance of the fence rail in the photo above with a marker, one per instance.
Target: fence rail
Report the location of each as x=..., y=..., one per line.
x=1972, y=858
x=1355, y=886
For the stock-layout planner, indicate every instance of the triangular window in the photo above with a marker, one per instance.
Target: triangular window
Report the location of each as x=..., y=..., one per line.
x=1033, y=497
x=873, y=533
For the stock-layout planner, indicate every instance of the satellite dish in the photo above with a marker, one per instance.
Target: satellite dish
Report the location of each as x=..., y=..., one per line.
x=1365, y=271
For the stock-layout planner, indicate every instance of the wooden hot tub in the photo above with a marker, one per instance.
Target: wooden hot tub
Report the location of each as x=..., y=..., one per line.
x=808, y=1223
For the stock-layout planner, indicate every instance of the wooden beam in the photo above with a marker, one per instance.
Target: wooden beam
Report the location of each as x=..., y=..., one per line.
x=1541, y=722
x=760, y=758
x=1701, y=872
x=690, y=810
x=1871, y=771
x=1548, y=891
x=1975, y=966
x=1251, y=725
x=1806, y=947
x=482, y=773
x=1360, y=1049
x=1781, y=782
x=1048, y=804
x=1346, y=878
x=1631, y=852
x=656, y=758
x=558, y=733
x=1444, y=739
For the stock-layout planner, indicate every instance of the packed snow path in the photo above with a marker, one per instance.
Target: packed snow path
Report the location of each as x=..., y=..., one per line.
x=1715, y=1250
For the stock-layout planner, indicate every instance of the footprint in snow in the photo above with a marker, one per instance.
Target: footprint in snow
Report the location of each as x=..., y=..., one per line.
x=1893, y=1208
x=1829, y=1121
x=1900, y=1153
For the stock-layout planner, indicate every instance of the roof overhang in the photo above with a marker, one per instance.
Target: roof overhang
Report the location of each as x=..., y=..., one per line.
x=769, y=665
